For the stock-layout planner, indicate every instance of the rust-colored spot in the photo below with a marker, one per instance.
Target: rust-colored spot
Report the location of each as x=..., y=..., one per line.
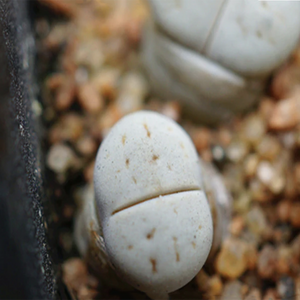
x=118, y=171
x=153, y=262
x=175, y=211
x=123, y=139
x=127, y=162
x=130, y=247
x=169, y=167
x=155, y=157
x=151, y=234
x=175, y=248
x=134, y=180
x=194, y=245
x=200, y=227
x=147, y=130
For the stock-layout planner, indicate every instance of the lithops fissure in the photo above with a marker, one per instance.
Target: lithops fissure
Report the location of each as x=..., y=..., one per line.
x=214, y=56
x=150, y=205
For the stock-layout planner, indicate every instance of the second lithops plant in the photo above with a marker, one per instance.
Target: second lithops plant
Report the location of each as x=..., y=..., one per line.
x=150, y=220
x=215, y=56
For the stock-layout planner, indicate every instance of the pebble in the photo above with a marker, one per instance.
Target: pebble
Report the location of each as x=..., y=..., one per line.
x=285, y=260
x=266, y=264
x=237, y=150
x=89, y=99
x=286, y=288
x=295, y=215
x=250, y=165
x=232, y=290
x=201, y=138
x=265, y=172
x=237, y=225
x=254, y=128
x=232, y=260
x=256, y=222
x=60, y=158
x=254, y=294
x=286, y=114
x=86, y=145
x=271, y=294
x=283, y=209
x=269, y=147
x=215, y=285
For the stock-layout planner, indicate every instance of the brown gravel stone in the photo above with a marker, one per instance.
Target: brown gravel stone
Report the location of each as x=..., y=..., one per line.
x=286, y=114
x=232, y=260
x=65, y=95
x=266, y=264
x=271, y=294
x=284, y=210
x=254, y=294
x=89, y=99
x=295, y=215
x=237, y=225
x=201, y=138
x=232, y=290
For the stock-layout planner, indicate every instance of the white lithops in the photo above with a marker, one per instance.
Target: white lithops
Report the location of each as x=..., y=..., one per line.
x=151, y=217
x=215, y=56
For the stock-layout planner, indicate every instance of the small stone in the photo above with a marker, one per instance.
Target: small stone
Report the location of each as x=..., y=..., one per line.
x=259, y=191
x=266, y=107
x=284, y=208
x=89, y=172
x=237, y=225
x=286, y=114
x=286, y=288
x=106, y=81
x=271, y=294
x=232, y=290
x=68, y=128
x=202, y=281
x=201, y=138
x=225, y=136
x=266, y=264
x=60, y=158
x=296, y=247
x=86, y=145
x=265, y=172
x=215, y=285
x=172, y=110
x=237, y=150
x=74, y=273
x=285, y=81
x=85, y=54
x=284, y=260
x=89, y=99
x=232, y=260
x=250, y=165
x=242, y=202
x=295, y=215
x=254, y=128
x=277, y=184
x=297, y=288
x=256, y=222
x=254, y=294
x=65, y=95
x=269, y=147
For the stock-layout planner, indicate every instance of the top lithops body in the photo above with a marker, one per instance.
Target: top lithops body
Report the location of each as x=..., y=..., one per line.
x=215, y=56
x=153, y=213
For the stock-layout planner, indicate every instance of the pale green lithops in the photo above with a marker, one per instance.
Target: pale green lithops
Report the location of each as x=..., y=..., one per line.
x=215, y=56
x=151, y=217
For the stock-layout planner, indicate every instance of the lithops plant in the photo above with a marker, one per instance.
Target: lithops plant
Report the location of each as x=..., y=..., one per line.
x=150, y=220
x=215, y=56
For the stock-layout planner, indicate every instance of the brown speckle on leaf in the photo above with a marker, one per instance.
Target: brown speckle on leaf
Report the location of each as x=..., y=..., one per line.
x=176, y=251
x=151, y=234
x=147, y=130
x=123, y=139
x=155, y=157
x=153, y=262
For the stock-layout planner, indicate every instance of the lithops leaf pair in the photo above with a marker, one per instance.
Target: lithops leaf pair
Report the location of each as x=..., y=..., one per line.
x=215, y=56
x=150, y=219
